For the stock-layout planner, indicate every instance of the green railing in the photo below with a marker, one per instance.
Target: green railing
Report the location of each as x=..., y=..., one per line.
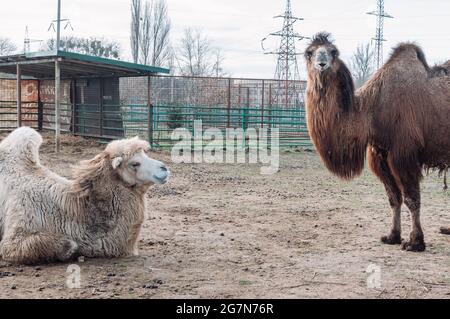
x=165, y=118
x=157, y=123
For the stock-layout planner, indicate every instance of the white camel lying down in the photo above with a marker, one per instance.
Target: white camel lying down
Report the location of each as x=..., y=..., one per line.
x=45, y=217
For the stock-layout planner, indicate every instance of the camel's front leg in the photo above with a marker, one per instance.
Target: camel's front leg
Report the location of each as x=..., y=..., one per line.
x=31, y=248
x=118, y=242
x=379, y=165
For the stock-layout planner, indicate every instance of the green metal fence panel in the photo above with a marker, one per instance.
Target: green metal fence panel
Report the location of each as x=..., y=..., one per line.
x=166, y=118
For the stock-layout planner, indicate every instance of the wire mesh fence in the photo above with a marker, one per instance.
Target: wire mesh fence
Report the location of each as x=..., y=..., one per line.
x=219, y=102
x=153, y=107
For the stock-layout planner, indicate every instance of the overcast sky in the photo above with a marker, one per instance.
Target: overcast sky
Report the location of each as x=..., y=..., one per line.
x=237, y=26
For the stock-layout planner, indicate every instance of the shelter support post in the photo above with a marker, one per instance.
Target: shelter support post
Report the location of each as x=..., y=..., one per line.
x=101, y=101
x=58, y=105
x=19, y=96
x=40, y=107
x=73, y=97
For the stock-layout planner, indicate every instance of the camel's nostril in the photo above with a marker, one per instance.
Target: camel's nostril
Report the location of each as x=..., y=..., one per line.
x=164, y=169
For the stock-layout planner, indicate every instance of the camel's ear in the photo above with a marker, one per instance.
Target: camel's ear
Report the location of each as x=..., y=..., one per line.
x=346, y=87
x=116, y=162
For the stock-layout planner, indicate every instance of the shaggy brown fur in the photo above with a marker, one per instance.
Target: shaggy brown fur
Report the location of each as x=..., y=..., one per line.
x=400, y=117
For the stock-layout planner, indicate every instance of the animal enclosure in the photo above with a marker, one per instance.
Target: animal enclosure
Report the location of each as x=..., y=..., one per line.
x=153, y=106
x=226, y=231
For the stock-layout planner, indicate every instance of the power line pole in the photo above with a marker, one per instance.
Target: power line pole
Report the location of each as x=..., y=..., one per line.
x=287, y=66
x=58, y=73
x=379, y=34
x=27, y=41
x=58, y=26
x=58, y=83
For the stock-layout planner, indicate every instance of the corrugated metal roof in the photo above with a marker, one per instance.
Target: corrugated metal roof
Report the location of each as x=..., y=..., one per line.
x=73, y=65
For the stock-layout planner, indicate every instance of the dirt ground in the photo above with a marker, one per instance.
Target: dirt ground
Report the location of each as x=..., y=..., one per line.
x=225, y=231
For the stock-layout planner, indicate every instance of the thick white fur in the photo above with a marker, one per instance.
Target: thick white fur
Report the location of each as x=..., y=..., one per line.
x=45, y=217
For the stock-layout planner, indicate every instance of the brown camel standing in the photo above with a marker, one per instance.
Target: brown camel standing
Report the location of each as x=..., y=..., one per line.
x=400, y=118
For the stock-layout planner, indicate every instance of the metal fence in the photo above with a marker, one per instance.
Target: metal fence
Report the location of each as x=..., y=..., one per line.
x=152, y=107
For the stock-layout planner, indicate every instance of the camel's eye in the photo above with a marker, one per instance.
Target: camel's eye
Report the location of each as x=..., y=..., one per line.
x=136, y=165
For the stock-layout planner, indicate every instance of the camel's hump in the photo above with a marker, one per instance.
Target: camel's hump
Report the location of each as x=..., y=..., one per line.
x=408, y=50
x=22, y=145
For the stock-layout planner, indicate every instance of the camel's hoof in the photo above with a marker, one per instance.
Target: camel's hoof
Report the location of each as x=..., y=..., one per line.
x=69, y=250
x=416, y=245
x=445, y=230
x=394, y=238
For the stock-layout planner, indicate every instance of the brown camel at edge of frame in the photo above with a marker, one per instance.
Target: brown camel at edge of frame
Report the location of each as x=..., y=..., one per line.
x=400, y=118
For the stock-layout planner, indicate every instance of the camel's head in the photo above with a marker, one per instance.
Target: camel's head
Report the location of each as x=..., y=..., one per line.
x=129, y=158
x=321, y=54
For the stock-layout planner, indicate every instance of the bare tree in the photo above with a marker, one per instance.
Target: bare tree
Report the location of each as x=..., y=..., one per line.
x=171, y=62
x=194, y=54
x=160, y=33
x=136, y=16
x=155, y=29
x=197, y=57
x=145, y=37
x=361, y=63
x=218, y=59
x=92, y=46
x=7, y=46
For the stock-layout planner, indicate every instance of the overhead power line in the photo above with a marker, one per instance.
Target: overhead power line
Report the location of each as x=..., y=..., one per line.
x=379, y=33
x=287, y=66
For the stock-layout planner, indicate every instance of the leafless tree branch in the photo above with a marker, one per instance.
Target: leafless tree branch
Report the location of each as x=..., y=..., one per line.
x=136, y=8
x=7, y=46
x=361, y=63
x=195, y=55
x=146, y=36
x=150, y=30
x=160, y=33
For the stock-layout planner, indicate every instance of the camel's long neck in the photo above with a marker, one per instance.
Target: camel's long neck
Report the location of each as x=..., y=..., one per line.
x=104, y=196
x=337, y=126
x=109, y=190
